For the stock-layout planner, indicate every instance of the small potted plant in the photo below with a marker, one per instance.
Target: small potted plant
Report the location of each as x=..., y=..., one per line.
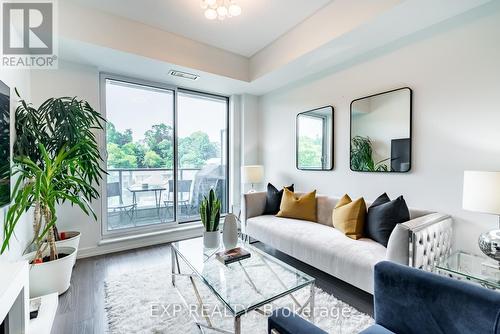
x=210, y=217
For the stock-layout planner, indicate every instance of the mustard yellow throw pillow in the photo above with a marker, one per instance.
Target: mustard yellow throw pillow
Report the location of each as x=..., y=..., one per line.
x=349, y=216
x=293, y=206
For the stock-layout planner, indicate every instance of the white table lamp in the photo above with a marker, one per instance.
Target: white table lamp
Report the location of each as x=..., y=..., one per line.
x=252, y=174
x=482, y=194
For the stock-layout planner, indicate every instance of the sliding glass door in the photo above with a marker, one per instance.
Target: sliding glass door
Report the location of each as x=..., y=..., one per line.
x=202, y=151
x=166, y=148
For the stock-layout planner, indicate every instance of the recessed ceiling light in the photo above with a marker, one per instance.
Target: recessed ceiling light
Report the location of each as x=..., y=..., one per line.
x=184, y=75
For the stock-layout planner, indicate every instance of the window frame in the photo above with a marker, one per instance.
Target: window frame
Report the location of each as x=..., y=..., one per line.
x=131, y=231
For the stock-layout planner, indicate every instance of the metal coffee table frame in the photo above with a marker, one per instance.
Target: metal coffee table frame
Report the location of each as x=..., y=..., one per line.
x=207, y=323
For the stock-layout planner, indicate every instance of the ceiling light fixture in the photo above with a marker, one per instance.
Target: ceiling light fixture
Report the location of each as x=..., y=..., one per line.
x=220, y=9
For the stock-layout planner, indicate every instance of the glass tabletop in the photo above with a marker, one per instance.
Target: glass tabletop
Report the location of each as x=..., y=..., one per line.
x=243, y=285
x=146, y=187
x=482, y=270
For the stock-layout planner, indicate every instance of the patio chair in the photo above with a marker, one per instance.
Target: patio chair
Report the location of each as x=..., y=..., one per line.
x=113, y=190
x=184, y=195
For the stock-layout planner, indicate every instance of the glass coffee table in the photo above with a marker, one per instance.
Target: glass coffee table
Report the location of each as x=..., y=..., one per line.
x=241, y=287
x=474, y=268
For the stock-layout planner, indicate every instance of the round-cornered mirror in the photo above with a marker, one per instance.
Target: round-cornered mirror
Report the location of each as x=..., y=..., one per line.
x=381, y=132
x=314, y=139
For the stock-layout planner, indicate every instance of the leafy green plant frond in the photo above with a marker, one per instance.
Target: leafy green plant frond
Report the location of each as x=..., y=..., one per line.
x=57, y=123
x=48, y=185
x=56, y=160
x=361, y=156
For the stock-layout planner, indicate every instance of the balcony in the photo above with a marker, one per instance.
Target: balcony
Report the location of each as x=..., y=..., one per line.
x=138, y=197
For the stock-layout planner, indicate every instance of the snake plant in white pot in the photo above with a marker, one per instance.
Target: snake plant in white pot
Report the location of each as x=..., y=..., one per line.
x=210, y=217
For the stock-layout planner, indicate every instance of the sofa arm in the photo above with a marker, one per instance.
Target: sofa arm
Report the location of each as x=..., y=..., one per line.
x=421, y=242
x=254, y=204
x=284, y=321
x=413, y=301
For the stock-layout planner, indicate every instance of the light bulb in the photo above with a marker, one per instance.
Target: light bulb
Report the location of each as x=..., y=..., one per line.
x=210, y=14
x=222, y=11
x=211, y=2
x=234, y=10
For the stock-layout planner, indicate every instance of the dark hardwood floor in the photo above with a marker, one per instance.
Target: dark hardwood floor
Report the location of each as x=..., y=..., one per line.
x=81, y=308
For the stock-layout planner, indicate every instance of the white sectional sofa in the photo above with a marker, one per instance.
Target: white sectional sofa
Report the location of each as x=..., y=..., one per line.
x=420, y=242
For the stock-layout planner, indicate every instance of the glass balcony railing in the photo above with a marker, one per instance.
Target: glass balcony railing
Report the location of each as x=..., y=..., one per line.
x=138, y=197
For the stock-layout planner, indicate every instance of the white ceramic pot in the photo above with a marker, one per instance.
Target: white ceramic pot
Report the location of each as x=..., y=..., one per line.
x=52, y=276
x=230, y=232
x=211, y=239
x=72, y=240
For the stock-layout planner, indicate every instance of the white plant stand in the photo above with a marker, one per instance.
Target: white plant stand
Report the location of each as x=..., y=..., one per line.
x=42, y=324
x=14, y=296
x=14, y=302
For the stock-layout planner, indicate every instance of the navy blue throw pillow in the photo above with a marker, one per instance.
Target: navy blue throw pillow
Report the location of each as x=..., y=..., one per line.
x=383, y=216
x=273, y=199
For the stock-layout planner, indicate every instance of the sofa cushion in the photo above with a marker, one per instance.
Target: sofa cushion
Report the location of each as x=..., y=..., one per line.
x=298, y=207
x=349, y=216
x=320, y=246
x=383, y=216
x=273, y=199
x=324, y=209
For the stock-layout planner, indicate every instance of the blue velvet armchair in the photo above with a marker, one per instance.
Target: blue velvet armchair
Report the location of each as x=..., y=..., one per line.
x=412, y=301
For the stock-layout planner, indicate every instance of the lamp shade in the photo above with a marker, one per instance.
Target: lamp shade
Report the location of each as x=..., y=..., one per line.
x=482, y=192
x=252, y=174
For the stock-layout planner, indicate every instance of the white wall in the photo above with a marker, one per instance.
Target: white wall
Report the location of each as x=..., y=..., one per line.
x=455, y=77
x=244, y=129
x=19, y=79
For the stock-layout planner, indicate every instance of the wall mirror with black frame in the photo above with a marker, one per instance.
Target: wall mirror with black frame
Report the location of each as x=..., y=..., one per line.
x=381, y=132
x=314, y=139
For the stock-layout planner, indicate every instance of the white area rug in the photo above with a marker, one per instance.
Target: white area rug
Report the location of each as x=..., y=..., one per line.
x=146, y=302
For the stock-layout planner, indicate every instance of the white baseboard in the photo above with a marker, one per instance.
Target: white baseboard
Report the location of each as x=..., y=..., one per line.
x=120, y=244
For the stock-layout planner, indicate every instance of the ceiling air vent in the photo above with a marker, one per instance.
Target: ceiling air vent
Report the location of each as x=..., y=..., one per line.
x=184, y=75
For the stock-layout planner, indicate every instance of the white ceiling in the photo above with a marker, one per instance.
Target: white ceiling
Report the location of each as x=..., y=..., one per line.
x=261, y=22
x=337, y=36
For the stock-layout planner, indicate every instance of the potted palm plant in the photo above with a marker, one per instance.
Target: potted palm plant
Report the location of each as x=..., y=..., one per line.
x=57, y=123
x=56, y=160
x=210, y=217
x=361, y=156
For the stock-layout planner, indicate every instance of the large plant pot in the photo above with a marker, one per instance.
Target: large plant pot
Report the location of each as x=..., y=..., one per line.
x=211, y=239
x=53, y=276
x=72, y=240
